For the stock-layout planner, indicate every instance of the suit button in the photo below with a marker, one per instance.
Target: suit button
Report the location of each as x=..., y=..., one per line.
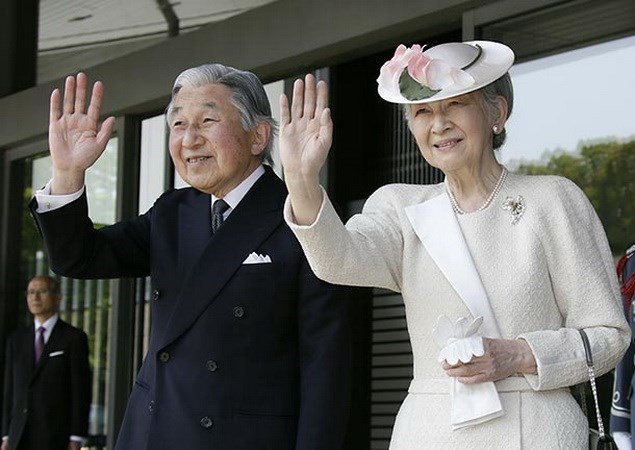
x=164, y=357
x=151, y=405
x=211, y=365
x=25, y=410
x=206, y=422
x=239, y=311
x=156, y=294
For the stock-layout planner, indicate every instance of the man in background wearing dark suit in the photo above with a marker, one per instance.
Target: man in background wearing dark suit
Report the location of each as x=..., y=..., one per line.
x=248, y=349
x=47, y=377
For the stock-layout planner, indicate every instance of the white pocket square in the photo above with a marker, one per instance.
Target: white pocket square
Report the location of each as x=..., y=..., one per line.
x=255, y=258
x=61, y=352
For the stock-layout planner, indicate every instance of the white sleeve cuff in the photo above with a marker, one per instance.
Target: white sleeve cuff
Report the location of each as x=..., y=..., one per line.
x=290, y=218
x=47, y=202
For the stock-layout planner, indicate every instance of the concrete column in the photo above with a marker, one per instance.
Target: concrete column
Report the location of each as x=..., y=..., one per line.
x=18, y=52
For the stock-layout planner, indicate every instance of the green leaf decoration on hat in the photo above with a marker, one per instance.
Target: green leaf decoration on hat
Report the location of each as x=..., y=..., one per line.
x=411, y=89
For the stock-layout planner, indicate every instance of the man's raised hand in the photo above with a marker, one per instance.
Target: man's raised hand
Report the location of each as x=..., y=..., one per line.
x=76, y=140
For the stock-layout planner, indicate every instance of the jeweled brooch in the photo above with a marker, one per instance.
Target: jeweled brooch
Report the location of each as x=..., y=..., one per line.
x=516, y=207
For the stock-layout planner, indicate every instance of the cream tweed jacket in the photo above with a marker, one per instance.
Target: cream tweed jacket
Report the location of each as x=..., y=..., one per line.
x=546, y=276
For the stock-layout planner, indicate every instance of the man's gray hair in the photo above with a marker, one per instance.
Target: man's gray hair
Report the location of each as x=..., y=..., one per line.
x=248, y=96
x=52, y=283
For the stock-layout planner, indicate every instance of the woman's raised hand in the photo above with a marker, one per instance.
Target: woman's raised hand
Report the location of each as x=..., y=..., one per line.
x=306, y=128
x=76, y=140
x=306, y=132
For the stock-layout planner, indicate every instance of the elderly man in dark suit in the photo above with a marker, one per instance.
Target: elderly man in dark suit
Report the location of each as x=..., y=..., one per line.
x=622, y=423
x=248, y=349
x=47, y=377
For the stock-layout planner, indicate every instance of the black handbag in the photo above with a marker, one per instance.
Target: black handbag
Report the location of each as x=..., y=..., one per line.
x=598, y=439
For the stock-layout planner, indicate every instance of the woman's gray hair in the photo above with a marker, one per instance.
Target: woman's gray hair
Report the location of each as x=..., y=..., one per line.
x=248, y=96
x=502, y=87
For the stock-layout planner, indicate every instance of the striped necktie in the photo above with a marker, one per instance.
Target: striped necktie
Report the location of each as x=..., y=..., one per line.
x=39, y=343
x=218, y=209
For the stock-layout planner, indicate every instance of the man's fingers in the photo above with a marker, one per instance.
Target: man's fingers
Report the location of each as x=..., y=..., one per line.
x=105, y=131
x=80, y=92
x=94, y=109
x=69, y=95
x=54, y=109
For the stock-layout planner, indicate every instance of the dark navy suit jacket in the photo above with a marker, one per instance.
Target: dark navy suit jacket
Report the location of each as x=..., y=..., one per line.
x=623, y=398
x=45, y=403
x=241, y=356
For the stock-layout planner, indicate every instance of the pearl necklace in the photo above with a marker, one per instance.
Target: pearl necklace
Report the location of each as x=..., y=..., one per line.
x=497, y=188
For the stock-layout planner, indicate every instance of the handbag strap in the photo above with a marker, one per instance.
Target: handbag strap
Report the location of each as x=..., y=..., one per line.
x=589, y=364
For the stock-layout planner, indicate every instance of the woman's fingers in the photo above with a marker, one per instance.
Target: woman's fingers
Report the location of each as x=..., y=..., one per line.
x=468, y=373
x=308, y=120
x=326, y=125
x=502, y=358
x=285, y=118
x=309, y=100
x=322, y=97
x=309, y=97
x=297, y=102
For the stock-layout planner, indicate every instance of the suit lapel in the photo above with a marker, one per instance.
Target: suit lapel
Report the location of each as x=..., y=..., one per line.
x=254, y=219
x=27, y=344
x=194, y=229
x=436, y=226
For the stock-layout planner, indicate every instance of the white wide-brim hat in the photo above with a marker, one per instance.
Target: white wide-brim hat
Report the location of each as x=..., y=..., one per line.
x=451, y=69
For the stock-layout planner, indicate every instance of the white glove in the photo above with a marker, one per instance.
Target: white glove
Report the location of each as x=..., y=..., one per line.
x=472, y=404
x=459, y=341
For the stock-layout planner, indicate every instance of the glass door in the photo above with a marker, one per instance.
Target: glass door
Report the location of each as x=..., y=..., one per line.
x=86, y=304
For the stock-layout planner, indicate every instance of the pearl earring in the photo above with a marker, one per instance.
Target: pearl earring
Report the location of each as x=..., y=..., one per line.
x=496, y=129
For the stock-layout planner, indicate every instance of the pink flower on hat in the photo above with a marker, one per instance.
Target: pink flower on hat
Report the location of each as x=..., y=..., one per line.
x=441, y=75
x=414, y=76
x=417, y=66
x=436, y=74
x=391, y=71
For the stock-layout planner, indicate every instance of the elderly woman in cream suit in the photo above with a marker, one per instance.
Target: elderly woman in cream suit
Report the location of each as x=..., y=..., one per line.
x=498, y=271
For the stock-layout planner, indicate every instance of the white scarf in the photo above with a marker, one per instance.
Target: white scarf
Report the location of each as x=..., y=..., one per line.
x=436, y=225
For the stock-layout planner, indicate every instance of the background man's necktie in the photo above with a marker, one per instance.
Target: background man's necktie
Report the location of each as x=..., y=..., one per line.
x=39, y=343
x=218, y=208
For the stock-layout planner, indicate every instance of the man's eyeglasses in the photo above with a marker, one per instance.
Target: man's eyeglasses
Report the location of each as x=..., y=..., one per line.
x=34, y=292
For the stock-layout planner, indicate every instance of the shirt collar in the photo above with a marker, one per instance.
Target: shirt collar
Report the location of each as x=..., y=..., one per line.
x=48, y=324
x=234, y=197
